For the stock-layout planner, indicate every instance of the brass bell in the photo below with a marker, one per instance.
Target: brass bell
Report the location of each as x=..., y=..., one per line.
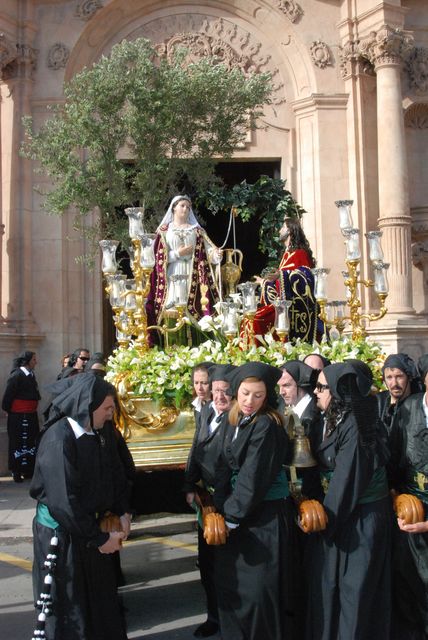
x=302, y=454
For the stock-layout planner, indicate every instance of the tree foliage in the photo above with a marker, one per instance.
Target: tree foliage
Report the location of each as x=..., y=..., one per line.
x=267, y=201
x=168, y=117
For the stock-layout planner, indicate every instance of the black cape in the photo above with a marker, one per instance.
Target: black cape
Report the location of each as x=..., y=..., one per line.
x=256, y=574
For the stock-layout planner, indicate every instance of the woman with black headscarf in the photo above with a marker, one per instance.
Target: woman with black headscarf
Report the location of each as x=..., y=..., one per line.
x=348, y=564
x=77, y=478
x=253, y=570
x=20, y=401
x=408, y=473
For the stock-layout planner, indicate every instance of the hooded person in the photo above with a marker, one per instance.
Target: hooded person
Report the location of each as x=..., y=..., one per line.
x=200, y=478
x=316, y=361
x=20, y=401
x=349, y=562
x=296, y=386
x=408, y=473
x=96, y=365
x=182, y=248
x=401, y=379
x=78, y=477
x=256, y=577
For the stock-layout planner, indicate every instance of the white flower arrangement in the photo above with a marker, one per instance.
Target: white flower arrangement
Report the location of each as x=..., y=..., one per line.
x=166, y=375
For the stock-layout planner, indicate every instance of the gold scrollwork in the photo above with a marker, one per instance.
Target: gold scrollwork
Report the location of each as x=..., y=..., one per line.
x=153, y=423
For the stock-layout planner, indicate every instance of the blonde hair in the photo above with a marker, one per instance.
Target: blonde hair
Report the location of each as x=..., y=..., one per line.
x=235, y=414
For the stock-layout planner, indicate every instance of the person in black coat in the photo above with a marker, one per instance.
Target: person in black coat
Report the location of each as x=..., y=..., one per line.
x=408, y=472
x=296, y=387
x=348, y=564
x=200, y=476
x=201, y=388
x=20, y=401
x=78, y=477
x=401, y=379
x=255, y=575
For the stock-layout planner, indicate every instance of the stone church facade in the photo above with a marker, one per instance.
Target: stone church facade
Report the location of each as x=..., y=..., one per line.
x=348, y=120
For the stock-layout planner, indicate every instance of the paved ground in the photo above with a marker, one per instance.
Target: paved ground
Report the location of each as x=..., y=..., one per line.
x=163, y=596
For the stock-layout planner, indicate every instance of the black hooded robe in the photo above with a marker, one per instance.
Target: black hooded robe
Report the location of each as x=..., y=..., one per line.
x=348, y=565
x=78, y=479
x=255, y=571
x=408, y=473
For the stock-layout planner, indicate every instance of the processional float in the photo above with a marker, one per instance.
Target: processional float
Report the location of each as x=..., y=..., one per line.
x=160, y=434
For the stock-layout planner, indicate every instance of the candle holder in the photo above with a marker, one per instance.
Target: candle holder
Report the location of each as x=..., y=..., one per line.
x=320, y=283
x=230, y=320
x=249, y=308
x=375, y=249
x=109, y=264
x=333, y=314
x=282, y=322
x=135, y=220
x=147, y=254
x=345, y=216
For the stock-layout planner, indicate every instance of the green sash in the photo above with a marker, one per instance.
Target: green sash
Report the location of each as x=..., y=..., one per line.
x=278, y=489
x=377, y=489
x=44, y=517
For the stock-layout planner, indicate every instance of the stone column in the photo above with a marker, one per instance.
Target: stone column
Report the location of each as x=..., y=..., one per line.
x=16, y=190
x=385, y=49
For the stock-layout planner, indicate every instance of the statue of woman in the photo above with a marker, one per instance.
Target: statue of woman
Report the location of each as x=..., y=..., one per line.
x=182, y=248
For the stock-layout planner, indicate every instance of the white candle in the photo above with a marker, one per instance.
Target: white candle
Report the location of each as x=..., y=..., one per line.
x=282, y=322
x=353, y=245
x=147, y=257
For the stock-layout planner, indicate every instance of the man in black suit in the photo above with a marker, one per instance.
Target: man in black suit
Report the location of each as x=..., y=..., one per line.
x=200, y=475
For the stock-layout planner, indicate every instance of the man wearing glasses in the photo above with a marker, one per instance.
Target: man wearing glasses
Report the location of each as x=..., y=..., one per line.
x=76, y=364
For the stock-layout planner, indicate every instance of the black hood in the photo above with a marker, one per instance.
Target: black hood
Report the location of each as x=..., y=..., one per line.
x=77, y=397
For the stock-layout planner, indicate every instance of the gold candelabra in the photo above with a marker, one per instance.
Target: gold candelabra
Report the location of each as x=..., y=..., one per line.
x=128, y=296
x=333, y=313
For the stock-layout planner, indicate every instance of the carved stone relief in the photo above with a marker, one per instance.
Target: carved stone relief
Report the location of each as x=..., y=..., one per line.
x=416, y=116
x=85, y=9
x=291, y=8
x=8, y=51
x=387, y=45
x=351, y=61
x=228, y=45
x=321, y=54
x=57, y=56
x=23, y=64
x=420, y=255
x=417, y=68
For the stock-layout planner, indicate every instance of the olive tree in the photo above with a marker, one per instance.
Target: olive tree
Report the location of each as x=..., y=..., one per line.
x=168, y=119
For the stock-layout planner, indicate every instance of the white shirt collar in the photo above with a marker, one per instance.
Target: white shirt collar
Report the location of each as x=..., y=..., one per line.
x=78, y=430
x=26, y=371
x=302, y=404
x=214, y=422
x=197, y=403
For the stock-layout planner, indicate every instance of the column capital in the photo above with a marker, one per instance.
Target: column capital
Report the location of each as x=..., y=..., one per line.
x=16, y=60
x=352, y=62
x=23, y=64
x=386, y=46
x=8, y=52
